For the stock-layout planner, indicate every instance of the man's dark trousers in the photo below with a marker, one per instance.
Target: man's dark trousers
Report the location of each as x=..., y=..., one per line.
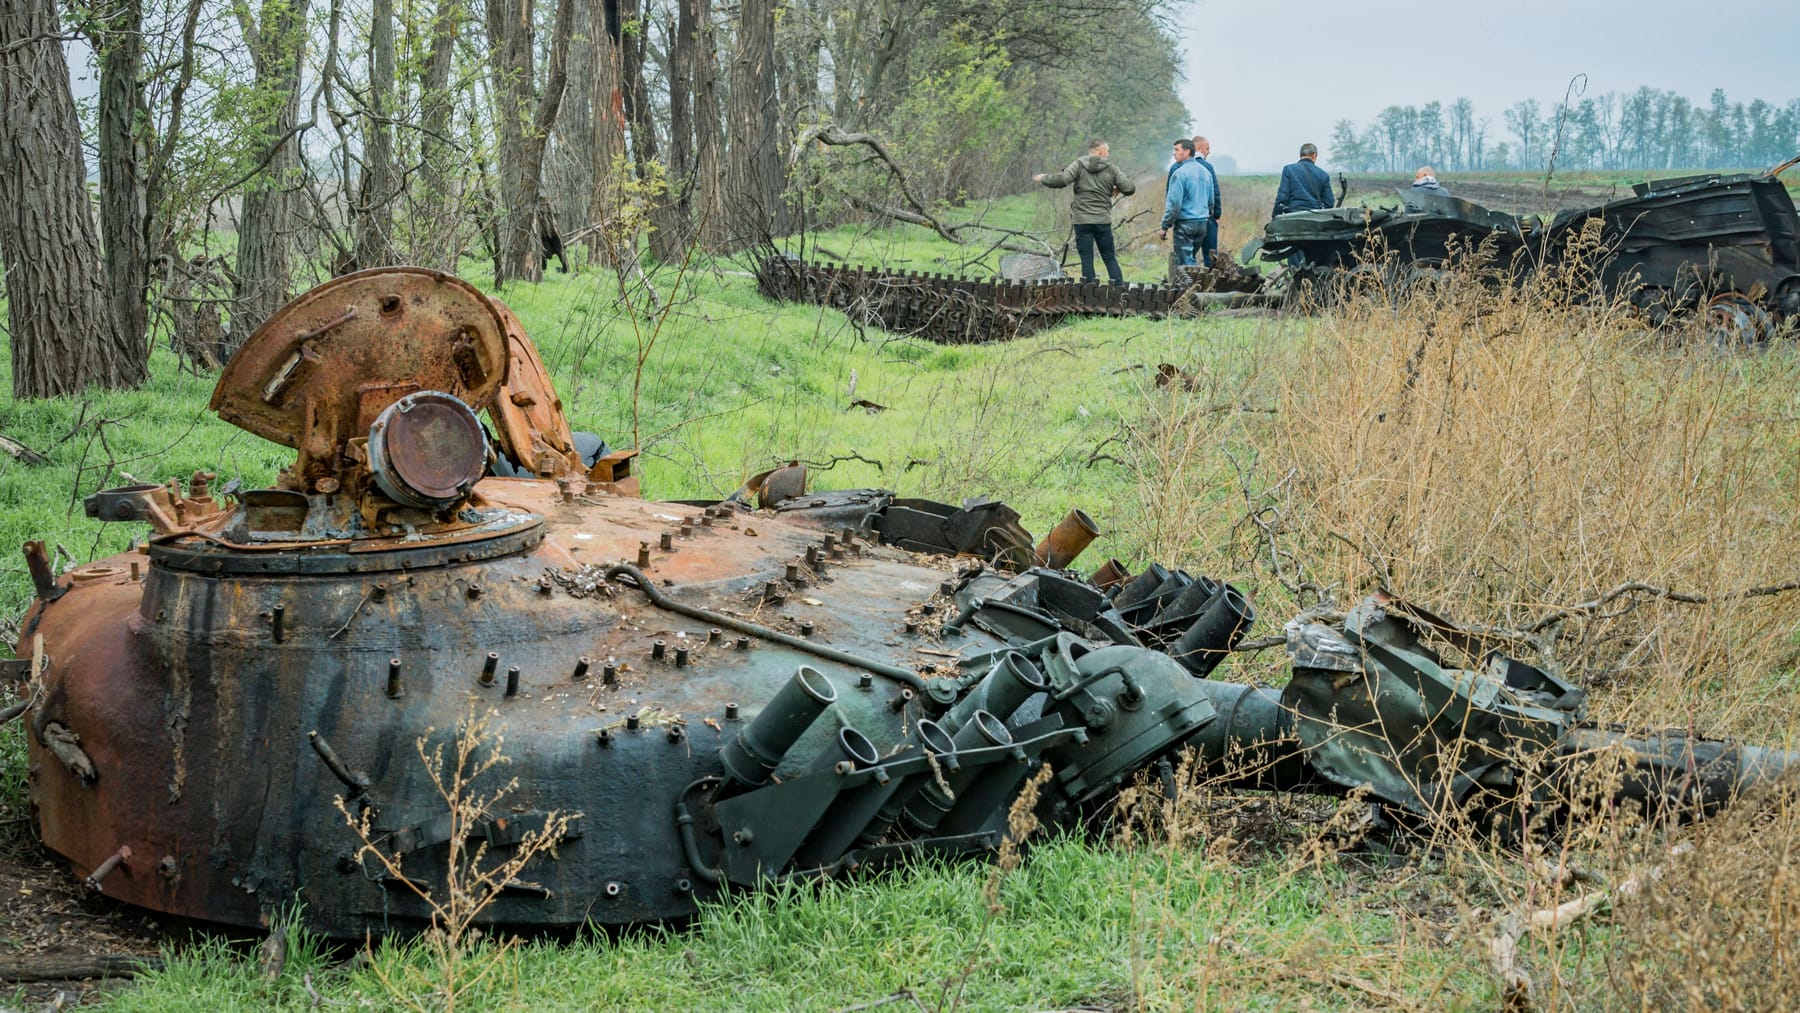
x=1209, y=245
x=1086, y=238
x=1188, y=236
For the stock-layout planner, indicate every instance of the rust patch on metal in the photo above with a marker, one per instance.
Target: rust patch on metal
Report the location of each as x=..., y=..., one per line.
x=311, y=374
x=529, y=424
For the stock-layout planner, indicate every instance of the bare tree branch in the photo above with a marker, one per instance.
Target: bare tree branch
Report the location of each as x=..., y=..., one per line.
x=916, y=212
x=1588, y=608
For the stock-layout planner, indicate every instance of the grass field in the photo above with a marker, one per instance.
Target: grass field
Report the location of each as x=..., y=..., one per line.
x=1506, y=458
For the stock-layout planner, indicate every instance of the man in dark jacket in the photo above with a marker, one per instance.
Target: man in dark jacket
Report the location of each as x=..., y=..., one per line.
x=1095, y=181
x=1304, y=186
x=1209, y=245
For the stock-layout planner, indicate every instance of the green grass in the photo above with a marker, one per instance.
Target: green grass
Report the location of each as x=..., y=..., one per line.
x=1075, y=924
x=733, y=384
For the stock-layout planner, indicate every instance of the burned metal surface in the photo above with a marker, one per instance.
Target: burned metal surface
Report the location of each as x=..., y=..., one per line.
x=529, y=424
x=1679, y=242
x=1675, y=244
x=718, y=694
x=1425, y=228
x=315, y=376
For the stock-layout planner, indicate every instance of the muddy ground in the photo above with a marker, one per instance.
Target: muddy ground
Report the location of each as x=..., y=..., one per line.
x=50, y=923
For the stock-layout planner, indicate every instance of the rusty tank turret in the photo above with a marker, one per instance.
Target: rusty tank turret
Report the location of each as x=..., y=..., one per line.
x=691, y=695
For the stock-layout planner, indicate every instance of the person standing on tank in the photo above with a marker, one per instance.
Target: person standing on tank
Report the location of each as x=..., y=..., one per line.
x=1095, y=180
x=1189, y=204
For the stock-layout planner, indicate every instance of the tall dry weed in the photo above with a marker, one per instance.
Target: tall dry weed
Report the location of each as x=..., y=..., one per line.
x=1618, y=502
x=1531, y=460
x=1717, y=929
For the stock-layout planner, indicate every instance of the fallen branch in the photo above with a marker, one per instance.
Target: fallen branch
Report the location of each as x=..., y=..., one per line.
x=915, y=212
x=1561, y=612
x=20, y=452
x=834, y=135
x=1260, y=644
x=835, y=460
x=903, y=995
x=63, y=967
x=1369, y=557
x=1095, y=456
x=1503, y=945
x=1389, y=998
x=950, y=232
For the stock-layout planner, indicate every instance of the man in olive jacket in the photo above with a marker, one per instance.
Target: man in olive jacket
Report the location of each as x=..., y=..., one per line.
x=1095, y=181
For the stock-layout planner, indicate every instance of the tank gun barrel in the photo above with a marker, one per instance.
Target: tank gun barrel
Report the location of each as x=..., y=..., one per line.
x=1672, y=768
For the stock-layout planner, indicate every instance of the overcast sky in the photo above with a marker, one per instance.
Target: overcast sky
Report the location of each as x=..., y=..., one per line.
x=1263, y=77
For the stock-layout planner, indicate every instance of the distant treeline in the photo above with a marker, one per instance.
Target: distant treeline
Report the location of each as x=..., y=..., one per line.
x=1645, y=129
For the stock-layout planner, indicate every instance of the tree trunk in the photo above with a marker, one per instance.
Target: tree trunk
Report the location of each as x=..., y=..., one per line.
x=523, y=129
x=375, y=224
x=755, y=172
x=608, y=142
x=277, y=44
x=572, y=175
x=670, y=236
x=799, y=68
x=708, y=200
x=120, y=43
x=437, y=226
x=637, y=95
x=64, y=334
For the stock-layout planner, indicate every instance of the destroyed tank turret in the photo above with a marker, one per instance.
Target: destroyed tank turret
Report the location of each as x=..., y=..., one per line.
x=690, y=696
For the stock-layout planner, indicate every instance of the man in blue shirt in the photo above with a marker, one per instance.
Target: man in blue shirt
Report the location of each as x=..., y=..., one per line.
x=1209, y=246
x=1189, y=205
x=1304, y=186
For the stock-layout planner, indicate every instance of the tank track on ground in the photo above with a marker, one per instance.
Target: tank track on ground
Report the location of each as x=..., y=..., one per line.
x=952, y=309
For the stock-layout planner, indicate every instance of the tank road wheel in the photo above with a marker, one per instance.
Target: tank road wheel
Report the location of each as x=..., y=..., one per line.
x=1381, y=280
x=1422, y=278
x=1787, y=301
x=1654, y=303
x=1310, y=288
x=1734, y=322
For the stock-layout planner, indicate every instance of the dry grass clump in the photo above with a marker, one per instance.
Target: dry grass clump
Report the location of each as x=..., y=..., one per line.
x=1717, y=930
x=1529, y=460
x=1253, y=901
x=1617, y=503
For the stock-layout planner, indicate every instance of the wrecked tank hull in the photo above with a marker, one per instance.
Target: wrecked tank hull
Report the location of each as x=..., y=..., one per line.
x=1729, y=242
x=1429, y=229
x=215, y=691
x=1678, y=242
x=261, y=705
